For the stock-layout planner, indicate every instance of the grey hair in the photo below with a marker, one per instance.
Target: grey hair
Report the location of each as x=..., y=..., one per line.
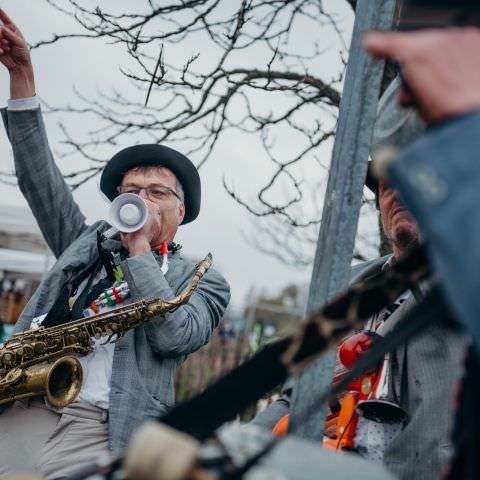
x=180, y=193
x=179, y=189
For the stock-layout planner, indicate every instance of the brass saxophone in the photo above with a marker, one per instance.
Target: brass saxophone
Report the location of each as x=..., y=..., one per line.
x=40, y=362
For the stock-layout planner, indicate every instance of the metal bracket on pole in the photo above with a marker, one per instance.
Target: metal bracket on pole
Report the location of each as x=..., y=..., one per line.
x=342, y=204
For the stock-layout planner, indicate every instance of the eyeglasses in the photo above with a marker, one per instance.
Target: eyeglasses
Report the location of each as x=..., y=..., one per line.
x=154, y=192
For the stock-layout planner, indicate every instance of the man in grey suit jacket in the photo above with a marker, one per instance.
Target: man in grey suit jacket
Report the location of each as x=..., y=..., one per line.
x=132, y=380
x=439, y=178
x=421, y=446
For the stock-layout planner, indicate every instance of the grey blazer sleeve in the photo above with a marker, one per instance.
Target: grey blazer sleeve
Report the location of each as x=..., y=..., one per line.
x=40, y=180
x=188, y=328
x=276, y=410
x=439, y=179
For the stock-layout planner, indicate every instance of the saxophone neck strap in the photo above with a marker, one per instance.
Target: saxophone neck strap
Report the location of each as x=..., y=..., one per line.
x=60, y=312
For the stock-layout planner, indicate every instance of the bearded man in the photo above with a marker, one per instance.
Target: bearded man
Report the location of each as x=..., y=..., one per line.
x=420, y=446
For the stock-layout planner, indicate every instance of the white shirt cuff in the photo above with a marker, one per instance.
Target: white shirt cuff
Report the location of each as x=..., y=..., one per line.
x=30, y=103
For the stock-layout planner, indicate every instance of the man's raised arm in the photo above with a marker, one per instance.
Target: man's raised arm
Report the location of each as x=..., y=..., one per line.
x=41, y=182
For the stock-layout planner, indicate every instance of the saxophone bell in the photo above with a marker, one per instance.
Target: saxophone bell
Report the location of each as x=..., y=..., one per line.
x=60, y=382
x=64, y=381
x=23, y=368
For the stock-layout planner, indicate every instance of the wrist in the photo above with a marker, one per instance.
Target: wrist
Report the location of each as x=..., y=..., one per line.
x=22, y=83
x=139, y=248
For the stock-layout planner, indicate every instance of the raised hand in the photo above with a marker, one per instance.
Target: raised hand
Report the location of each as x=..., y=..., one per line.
x=14, y=54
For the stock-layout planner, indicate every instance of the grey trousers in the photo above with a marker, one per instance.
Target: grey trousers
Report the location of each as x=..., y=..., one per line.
x=37, y=439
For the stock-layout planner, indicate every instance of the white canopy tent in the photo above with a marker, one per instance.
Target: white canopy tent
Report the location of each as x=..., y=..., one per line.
x=23, y=252
x=18, y=261
x=17, y=220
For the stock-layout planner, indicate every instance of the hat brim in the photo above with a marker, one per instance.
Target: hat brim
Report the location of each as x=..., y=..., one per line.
x=154, y=155
x=394, y=127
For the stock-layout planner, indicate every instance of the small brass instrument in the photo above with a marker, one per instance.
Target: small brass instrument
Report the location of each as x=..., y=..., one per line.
x=39, y=362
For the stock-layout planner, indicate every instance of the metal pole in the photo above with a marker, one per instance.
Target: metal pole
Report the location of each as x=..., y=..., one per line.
x=336, y=239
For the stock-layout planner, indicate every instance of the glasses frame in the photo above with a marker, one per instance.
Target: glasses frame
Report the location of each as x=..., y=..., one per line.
x=147, y=190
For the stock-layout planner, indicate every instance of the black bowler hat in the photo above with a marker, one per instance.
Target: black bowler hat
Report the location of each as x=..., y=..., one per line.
x=148, y=155
x=418, y=14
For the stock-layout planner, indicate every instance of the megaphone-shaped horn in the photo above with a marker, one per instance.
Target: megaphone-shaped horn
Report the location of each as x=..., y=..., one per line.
x=382, y=404
x=128, y=212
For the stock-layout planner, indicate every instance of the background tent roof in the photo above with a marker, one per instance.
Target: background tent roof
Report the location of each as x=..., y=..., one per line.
x=23, y=252
x=19, y=261
x=19, y=230
x=16, y=219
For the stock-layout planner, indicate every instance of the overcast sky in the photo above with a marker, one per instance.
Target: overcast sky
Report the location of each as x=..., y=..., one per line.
x=222, y=224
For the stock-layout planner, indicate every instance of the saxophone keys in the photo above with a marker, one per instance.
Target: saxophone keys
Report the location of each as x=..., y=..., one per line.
x=8, y=358
x=83, y=337
x=39, y=348
x=12, y=376
x=28, y=351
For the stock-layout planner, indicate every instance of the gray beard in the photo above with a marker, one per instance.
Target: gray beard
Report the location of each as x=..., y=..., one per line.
x=405, y=238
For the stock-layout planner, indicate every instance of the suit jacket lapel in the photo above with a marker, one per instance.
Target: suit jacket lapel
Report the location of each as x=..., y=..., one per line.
x=394, y=317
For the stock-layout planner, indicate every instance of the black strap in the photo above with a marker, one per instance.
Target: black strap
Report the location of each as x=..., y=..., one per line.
x=60, y=312
x=237, y=390
x=89, y=294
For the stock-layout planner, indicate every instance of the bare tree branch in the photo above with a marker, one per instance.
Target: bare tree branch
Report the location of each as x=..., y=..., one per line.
x=248, y=66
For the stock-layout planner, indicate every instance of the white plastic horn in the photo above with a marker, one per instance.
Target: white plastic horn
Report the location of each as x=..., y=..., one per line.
x=128, y=212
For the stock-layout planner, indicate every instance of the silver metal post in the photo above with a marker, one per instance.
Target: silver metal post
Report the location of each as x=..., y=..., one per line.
x=342, y=204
